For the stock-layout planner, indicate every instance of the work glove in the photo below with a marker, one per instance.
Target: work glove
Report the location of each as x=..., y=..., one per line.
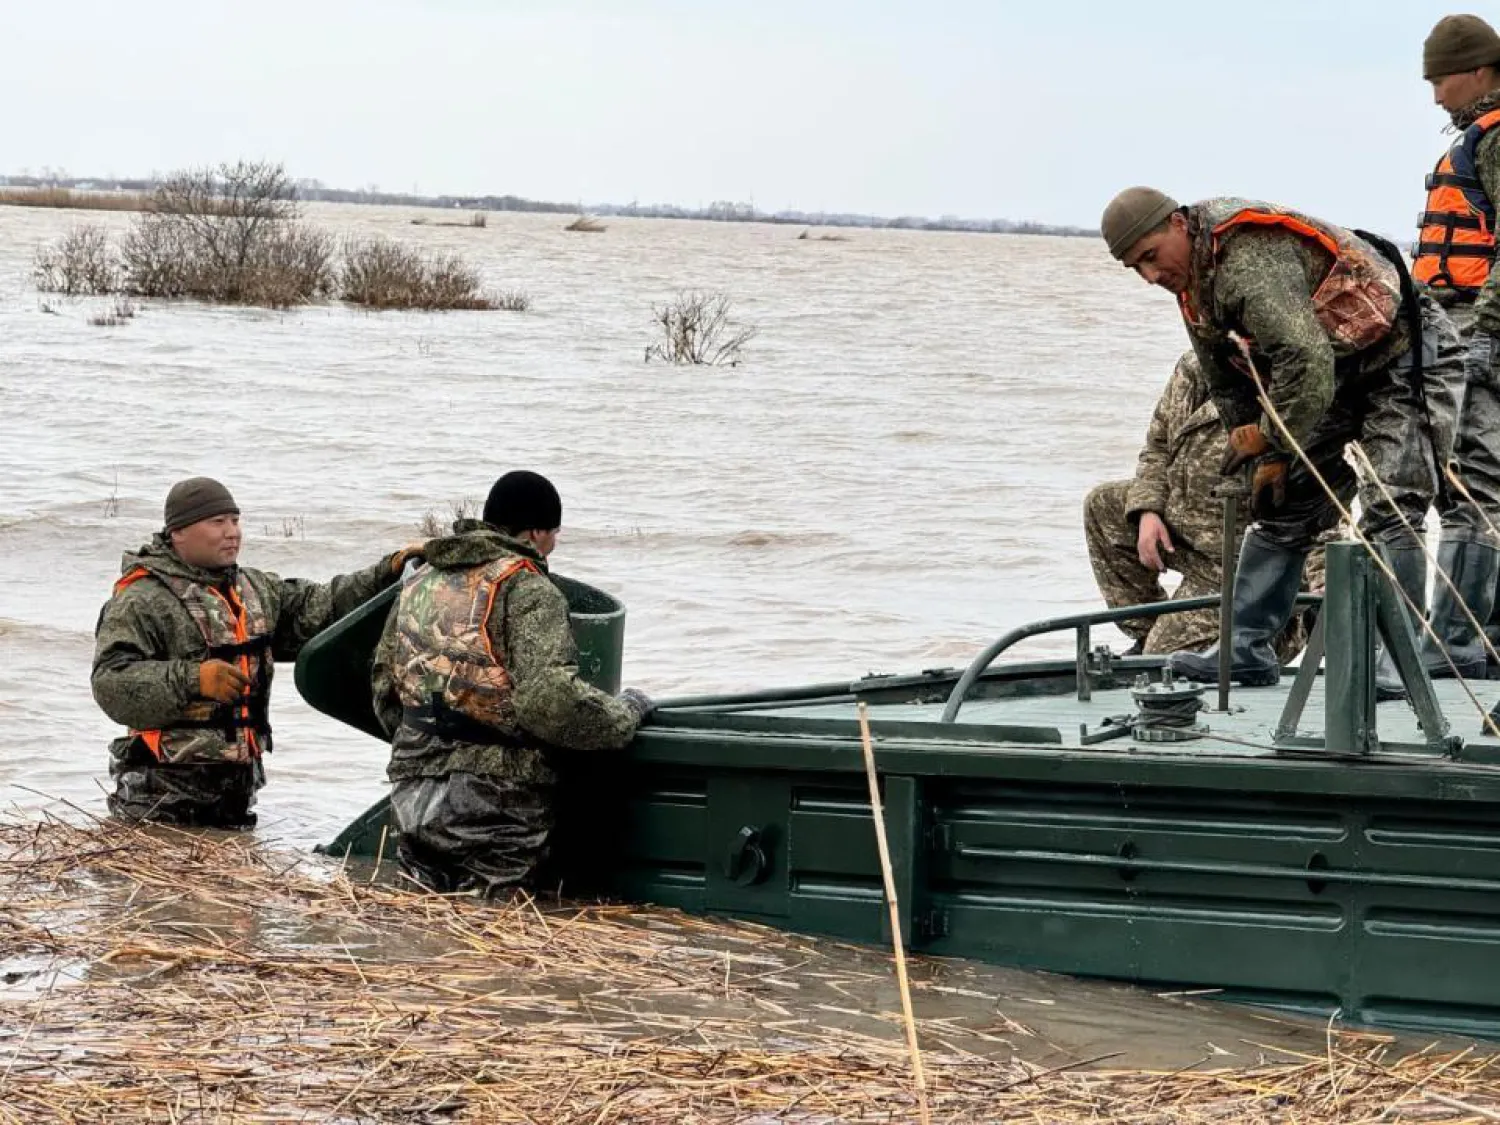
x=1246, y=443
x=220, y=681
x=638, y=701
x=1268, y=487
x=417, y=551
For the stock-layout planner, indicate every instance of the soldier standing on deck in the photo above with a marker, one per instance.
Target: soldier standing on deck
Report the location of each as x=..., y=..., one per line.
x=1454, y=259
x=1347, y=351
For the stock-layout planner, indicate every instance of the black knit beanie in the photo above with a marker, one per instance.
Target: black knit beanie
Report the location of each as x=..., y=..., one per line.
x=523, y=501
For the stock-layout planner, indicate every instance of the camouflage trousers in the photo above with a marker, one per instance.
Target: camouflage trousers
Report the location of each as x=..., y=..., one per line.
x=1124, y=580
x=1476, y=443
x=472, y=832
x=201, y=796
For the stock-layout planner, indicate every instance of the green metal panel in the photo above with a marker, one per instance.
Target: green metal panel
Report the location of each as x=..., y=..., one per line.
x=905, y=831
x=748, y=844
x=1327, y=870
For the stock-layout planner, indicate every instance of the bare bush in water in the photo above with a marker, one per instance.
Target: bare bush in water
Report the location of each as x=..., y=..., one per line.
x=381, y=274
x=81, y=262
x=512, y=300
x=117, y=314
x=230, y=235
x=695, y=328
x=431, y=525
x=234, y=234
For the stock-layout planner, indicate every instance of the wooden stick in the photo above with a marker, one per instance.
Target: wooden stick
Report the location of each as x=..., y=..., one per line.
x=890, y=898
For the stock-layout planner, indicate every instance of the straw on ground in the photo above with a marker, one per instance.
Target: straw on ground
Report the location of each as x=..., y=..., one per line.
x=157, y=975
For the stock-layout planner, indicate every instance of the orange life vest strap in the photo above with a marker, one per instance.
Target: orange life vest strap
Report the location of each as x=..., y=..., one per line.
x=130, y=578
x=1267, y=219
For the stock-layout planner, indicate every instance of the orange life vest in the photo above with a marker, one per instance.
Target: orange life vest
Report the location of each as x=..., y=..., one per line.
x=1358, y=300
x=1456, y=243
x=451, y=681
x=236, y=628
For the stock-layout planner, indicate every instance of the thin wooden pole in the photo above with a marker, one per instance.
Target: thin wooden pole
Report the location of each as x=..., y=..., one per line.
x=890, y=898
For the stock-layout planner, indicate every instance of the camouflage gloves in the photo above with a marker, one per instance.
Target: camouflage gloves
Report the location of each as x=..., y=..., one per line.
x=1268, y=485
x=417, y=551
x=638, y=701
x=1245, y=444
x=220, y=681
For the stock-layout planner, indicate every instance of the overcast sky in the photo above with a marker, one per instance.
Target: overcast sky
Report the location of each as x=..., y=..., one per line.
x=999, y=109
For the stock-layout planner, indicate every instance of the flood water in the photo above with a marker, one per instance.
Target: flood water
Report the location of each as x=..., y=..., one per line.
x=892, y=477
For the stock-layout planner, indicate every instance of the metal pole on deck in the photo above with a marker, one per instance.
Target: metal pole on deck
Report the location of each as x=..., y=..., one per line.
x=1230, y=492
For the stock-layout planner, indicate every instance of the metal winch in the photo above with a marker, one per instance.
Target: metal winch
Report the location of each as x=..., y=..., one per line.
x=1166, y=711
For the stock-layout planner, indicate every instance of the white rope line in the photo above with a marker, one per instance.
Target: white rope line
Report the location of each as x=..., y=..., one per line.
x=1417, y=612
x=1367, y=467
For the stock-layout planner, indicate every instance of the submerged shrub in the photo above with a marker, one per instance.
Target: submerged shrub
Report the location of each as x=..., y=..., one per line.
x=81, y=262
x=381, y=274
x=233, y=234
x=695, y=328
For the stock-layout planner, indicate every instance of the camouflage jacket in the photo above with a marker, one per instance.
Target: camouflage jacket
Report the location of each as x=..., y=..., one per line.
x=529, y=633
x=1178, y=466
x=147, y=647
x=1259, y=283
x=1487, y=166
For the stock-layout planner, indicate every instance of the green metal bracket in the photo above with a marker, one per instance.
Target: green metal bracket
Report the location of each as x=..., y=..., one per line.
x=1360, y=603
x=1401, y=639
x=1307, y=675
x=1349, y=680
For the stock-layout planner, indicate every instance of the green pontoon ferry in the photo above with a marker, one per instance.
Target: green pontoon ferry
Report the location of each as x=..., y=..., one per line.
x=1299, y=846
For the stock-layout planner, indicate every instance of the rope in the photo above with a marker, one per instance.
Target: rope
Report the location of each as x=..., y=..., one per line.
x=1367, y=468
x=1168, y=713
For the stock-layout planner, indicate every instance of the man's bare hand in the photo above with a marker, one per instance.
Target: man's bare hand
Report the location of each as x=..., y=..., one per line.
x=1153, y=542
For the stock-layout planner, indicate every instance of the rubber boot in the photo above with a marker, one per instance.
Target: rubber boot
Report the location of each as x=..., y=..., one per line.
x=1492, y=631
x=1408, y=561
x=1265, y=594
x=1473, y=569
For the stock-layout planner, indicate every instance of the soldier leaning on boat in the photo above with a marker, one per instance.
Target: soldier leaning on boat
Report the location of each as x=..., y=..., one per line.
x=1454, y=258
x=1348, y=349
x=184, y=652
x=476, y=679
x=1165, y=517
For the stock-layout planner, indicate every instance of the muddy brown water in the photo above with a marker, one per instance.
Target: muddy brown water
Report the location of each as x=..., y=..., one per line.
x=892, y=477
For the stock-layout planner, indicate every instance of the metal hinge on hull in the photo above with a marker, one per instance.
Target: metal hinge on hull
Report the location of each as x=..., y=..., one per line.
x=939, y=838
x=931, y=923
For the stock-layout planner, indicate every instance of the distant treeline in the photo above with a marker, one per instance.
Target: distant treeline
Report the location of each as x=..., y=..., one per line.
x=722, y=212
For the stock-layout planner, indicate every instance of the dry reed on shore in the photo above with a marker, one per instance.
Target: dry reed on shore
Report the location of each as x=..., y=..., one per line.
x=76, y=200
x=156, y=975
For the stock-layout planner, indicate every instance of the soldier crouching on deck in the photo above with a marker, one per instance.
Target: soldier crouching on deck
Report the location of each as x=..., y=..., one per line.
x=1166, y=517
